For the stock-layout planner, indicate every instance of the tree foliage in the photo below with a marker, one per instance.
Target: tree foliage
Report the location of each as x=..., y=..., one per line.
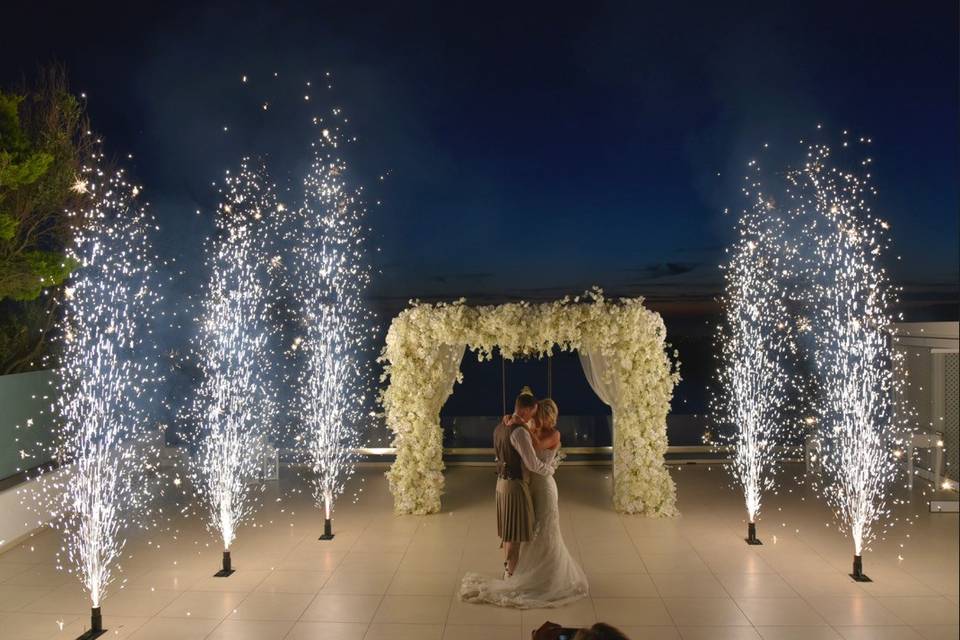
x=43, y=143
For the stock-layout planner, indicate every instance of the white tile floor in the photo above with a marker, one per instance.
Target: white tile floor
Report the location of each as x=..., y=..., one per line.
x=395, y=577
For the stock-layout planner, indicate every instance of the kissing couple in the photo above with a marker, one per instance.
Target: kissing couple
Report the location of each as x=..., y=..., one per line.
x=539, y=571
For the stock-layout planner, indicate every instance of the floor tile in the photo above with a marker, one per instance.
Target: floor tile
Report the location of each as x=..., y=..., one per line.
x=938, y=632
x=718, y=633
x=392, y=631
x=327, y=631
x=238, y=581
x=443, y=561
x=674, y=563
x=167, y=579
x=371, y=562
x=471, y=614
x=621, y=585
x=342, y=608
x=44, y=599
x=424, y=584
x=10, y=569
x=661, y=545
x=40, y=626
x=856, y=611
x=822, y=584
x=137, y=602
x=755, y=585
x=798, y=633
x=324, y=560
x=689, y=585
x=413, y=610
x=707, y=612
x=179, y=628
x=916, y=610
x=282, y=581
x=879, y=633
x=481, y=632
x=271, y=606
x=779, y=612
x=639, y=612
x=251, y=630
x=214, y=605
x=41, y=575
x=344, y=580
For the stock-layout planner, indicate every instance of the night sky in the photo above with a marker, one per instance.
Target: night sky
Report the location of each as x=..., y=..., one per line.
x=527, y=150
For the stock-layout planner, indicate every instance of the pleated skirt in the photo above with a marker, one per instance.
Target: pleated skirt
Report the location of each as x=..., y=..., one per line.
x=515, y=517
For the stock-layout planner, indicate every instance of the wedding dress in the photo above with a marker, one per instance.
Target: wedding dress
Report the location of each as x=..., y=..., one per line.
x=546, y=575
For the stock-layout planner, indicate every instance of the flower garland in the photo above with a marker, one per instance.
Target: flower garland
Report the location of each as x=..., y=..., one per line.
x=425, y=340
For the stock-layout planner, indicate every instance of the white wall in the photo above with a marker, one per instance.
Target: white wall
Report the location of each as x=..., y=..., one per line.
x=17, y=520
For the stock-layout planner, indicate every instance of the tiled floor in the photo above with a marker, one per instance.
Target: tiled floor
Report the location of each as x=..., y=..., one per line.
x=395, y=577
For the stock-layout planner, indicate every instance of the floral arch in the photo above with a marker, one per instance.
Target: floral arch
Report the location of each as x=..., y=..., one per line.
x=621, y=344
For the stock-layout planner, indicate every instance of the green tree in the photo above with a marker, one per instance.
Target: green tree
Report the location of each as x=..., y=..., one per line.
x=43, y=143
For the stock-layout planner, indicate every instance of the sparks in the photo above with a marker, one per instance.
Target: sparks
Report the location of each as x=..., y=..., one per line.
x=79, y=186
x=331, y=275
x=753, y=341
x=106, y=378
x=232, y=407
x=849, y=298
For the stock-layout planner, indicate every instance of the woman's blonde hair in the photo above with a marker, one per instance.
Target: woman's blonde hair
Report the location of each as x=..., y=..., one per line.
x=547, y=413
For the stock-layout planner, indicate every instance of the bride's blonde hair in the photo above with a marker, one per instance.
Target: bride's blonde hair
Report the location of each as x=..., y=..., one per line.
x=547, y=414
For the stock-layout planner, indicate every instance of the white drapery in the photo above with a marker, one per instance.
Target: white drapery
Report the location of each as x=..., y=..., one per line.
x=596, y=369
x=449, y=371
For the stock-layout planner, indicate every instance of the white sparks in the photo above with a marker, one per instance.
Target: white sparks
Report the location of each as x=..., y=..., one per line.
x=753, y=341
x=331, y=275
x=106, y=376
x=232, y=406
x=849, y=297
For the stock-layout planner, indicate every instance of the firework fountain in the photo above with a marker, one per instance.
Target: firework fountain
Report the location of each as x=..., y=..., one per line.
x=330, y=275
x=106, y=377
x=849, y=305
x=232, y=408
x=753, y=341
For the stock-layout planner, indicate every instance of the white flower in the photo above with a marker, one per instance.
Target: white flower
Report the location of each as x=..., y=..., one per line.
x=626, y=332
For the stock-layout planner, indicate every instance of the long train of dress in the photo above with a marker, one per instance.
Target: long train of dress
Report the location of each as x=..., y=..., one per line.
x=546, y=575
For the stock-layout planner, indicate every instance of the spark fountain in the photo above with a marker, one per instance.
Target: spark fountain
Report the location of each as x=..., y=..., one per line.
x=232, y=407
x=849, y=300
x=104, y=445
x=753, y=340
x=330, y=275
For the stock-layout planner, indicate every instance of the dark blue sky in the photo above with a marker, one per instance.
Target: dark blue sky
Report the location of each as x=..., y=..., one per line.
x=532, y=150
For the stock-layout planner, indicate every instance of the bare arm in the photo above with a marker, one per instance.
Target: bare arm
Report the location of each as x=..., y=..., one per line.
x=523, y=443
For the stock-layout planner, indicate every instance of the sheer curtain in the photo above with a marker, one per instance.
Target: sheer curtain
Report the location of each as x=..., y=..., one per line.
x=595, y=367
x=449, y=370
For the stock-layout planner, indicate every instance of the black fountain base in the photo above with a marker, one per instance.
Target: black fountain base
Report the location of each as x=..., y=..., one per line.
x=227, y=569
x=96, y=625
x=752, y=538
x=858, y=574
x=327, y=530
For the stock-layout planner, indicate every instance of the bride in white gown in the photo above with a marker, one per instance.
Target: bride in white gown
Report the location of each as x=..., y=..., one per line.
x=546, y=575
